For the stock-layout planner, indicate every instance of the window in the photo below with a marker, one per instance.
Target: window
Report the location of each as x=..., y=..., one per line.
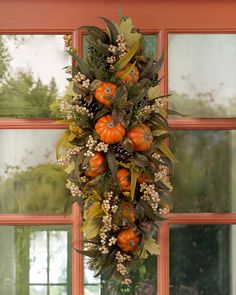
x=198, y=239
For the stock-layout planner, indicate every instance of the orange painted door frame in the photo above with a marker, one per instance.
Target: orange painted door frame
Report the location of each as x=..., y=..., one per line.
x=164, y=16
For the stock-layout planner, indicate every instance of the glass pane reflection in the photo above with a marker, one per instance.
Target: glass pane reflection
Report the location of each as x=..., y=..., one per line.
x=31, y=75
x=204, y=178
x=30, y=180
x=26, y=260
x=200, y=259
x=202, y=71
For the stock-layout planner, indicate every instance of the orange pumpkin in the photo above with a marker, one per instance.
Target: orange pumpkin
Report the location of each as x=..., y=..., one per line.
x=141, y=137
x=96, y=165
x=127, y=240
x=142, y=177
x=132, y=77
x=124, y=180
x=108, y=131
x=104, y=92
x=125, y=214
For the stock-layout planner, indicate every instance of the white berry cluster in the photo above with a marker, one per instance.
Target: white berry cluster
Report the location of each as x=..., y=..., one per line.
x=150, y=195
x=66, y=159
x=143, y=112
x=82, y=80
x=74, y=189
x=68, y=70
x=67, y=109
x=122, y=46
x=158, y=104
x=82, y=111
x=84, y=179
x=117, y=51
x=121, y=268
x=106, y=227
x=162, y=173
x=163, y=211
x=156, y=156
x=90, y=145
x=102, y=147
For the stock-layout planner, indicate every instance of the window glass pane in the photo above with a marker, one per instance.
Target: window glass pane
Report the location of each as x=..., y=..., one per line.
x=202, y=71
x=38, y=290
x=38, y=257
x=200, y=259
x=25, y=259
x=151, y=45
x=30, y=180
x=57, y=290
x=204, y=178
x=57, y=257
x=31, y=75
x=92, y=290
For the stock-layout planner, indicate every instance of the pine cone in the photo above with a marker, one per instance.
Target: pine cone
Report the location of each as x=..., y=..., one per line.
x=121, y=153
x=92, y=105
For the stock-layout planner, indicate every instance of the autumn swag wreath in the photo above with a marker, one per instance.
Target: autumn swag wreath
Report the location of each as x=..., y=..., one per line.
x=114, y=150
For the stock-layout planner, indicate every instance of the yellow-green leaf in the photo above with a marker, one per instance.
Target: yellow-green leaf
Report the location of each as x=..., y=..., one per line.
x=70, y=168
x=151, y=246
x=91, y=228
x=70, y=90
x=167, y=152
x=125, y=28
x=159, y=132
x=153, y=92
x=93, y=211
x=62, y=141
x=134, y=176
x=123, y=61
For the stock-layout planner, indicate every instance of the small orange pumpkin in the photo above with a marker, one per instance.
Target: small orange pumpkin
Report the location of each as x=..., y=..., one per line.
x=96, y=165
x=142, y=177
x=108, y=131
x=132, y=77
x=124, y=179
x=141, y=137
x=125, y=214
x=104, y=92
x=127, y=240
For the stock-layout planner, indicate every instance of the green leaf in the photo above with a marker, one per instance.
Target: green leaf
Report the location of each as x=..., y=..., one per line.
x=61, y=142
x=151, y=246
x=83, y=67
x=156, y=67
x=166, y=151
x=141, y=160
x=90, y=253
x=112, y=29
x=91, y=227
x=70, y=168
x=70, y=89
x=159, y=132
x=123, y=61
x=153, y=92
x=111, y=160
x=172, y=112
x=126, y=28
x=97, y=33
x=134, y=176
x=95, y=84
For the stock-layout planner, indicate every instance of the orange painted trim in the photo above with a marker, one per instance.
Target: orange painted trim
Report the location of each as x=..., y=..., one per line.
x=34, y=219
x=163, y=259
x=77, y=259
x=201, y=218
x=203, y=123
x=31, y=124
x=176, y=124
x=35, y=31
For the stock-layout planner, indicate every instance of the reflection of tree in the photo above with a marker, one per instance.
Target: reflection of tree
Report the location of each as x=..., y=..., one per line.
x=200, y=261
x=20, y=94
x=202, y=103
x=202, y=178
x=39, y=189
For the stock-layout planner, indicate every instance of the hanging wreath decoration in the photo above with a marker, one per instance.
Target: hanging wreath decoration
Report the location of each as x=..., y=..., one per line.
x=114, y=150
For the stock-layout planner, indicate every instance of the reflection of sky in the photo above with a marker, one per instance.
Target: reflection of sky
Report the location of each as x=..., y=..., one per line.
x=43, y=55
x=207, y=61
x=27, y=147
